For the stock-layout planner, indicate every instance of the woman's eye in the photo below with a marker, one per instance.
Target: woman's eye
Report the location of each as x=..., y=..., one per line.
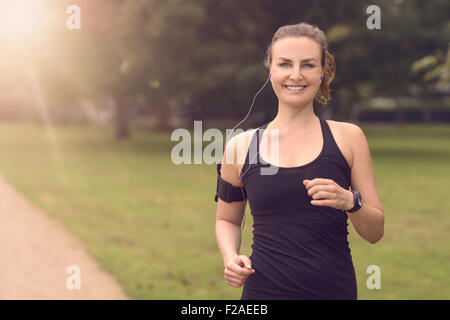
x=310, y=65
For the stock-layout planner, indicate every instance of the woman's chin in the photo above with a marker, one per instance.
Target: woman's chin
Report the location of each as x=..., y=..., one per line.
x=297, y=99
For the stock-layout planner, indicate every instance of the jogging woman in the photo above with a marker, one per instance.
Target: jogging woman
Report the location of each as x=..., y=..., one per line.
x=300, y=248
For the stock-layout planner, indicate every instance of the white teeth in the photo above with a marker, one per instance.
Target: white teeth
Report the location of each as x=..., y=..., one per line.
x=295, y=88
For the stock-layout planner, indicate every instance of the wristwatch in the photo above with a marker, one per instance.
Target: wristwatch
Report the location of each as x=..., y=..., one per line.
x=358, y=201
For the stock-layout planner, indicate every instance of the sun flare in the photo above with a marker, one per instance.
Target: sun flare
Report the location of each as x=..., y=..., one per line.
x=22, y=20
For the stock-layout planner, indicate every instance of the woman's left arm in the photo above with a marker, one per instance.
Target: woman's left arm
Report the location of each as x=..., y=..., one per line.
x=369, y=219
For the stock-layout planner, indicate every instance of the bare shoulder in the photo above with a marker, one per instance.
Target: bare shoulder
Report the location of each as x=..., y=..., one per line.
x=344, y=135
x=348, y=125
x=234, y=156
x=238, y=146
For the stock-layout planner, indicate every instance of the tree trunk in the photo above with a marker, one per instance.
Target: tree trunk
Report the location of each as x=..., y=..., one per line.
x=163, y=115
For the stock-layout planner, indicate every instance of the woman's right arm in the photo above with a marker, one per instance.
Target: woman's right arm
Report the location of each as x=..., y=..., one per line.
x=228, y=225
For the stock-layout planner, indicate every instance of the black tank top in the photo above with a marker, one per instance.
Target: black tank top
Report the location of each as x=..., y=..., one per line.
x=299, y=250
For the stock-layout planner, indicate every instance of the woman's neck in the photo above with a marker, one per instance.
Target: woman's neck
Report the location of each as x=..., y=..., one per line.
x=301, y=118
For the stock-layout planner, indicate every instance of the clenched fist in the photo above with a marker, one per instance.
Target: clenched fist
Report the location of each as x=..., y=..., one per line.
x=237, y=269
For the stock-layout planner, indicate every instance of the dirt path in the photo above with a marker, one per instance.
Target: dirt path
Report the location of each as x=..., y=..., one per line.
x=35, y=252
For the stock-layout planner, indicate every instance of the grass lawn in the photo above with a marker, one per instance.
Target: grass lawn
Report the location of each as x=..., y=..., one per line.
x=150, y=223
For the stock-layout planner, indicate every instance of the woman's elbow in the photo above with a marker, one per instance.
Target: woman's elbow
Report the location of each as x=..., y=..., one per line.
x=376, y=238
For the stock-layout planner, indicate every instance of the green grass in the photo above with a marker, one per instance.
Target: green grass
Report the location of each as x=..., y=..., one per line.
x=150, y=223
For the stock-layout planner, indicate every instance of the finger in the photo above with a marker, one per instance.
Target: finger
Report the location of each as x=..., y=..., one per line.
x=244, y=262
x=234, y=283
x=324, y=195
x=235, y=275
x=326, y=203
x=238, y=269
x=317, y=181
x=247, y=262
x=319, y=188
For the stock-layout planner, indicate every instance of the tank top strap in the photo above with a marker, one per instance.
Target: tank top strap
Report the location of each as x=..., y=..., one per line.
x=326, y=134
x=259, y=134
x=332, y=149
x=252, y=156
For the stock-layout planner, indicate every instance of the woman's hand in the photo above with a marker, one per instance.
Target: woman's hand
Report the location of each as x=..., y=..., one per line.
x=237, y=269
x=330, y=194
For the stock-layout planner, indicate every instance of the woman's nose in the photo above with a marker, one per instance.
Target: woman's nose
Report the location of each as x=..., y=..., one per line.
x=296, y=74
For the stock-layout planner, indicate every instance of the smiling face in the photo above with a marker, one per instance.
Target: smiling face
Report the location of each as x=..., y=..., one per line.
x=296, y=69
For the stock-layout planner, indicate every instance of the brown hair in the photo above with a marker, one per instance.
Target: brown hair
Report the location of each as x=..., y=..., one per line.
x=327, y=61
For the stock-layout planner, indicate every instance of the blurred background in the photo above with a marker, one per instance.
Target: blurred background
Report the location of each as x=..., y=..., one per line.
x=86, y=116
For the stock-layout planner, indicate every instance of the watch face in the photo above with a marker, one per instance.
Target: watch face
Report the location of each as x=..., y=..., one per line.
x=359, y=199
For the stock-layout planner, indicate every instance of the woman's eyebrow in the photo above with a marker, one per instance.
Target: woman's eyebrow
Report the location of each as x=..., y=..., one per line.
x=304, y=60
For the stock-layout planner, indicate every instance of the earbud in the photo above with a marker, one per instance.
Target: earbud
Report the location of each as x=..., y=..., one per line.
x=269, y=75
x=321, y=77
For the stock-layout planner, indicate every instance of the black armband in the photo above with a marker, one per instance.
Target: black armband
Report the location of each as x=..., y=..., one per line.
x=226, y=191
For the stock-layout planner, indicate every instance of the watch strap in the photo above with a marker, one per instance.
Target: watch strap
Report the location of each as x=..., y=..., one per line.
x=356, y=205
